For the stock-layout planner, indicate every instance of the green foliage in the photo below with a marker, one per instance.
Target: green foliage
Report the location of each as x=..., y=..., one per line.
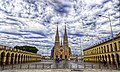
x=27, y=48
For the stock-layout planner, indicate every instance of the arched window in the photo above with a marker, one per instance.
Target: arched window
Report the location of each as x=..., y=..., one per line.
x=107, y=48
x=119, y=44
x=104, y=49
x=99, y=49
x=115, y=45
x=111, y=47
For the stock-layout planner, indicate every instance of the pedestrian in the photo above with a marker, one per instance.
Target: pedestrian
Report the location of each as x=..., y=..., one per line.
x=76, y=60
x=57, y=62
x=65, y=63
x=60, y=59
x=104, y=62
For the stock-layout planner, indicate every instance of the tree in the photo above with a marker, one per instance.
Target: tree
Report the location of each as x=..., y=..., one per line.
x=27, y=48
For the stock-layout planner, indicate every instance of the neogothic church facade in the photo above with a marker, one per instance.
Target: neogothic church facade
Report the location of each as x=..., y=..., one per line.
x=61, y=50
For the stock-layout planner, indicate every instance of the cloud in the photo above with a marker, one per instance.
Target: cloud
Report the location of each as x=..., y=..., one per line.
x=33, y=22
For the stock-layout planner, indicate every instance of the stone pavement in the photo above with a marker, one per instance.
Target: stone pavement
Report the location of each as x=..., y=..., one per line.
x=61, y=70
x=63, y=66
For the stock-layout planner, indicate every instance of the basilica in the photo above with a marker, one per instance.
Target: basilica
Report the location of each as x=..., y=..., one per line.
x=61, y=50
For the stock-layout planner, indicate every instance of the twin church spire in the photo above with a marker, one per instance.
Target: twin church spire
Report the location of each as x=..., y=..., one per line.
x=65, y=40
x=61, y=50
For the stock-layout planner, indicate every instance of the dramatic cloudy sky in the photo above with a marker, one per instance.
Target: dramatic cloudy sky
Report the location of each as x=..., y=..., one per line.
x=33, y=22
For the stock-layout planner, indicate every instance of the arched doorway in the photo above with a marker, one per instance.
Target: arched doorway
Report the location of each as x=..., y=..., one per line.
x=61, y=56
x=7, y=58
x=109, y=59
x=100, y=58
x=95, y=59
x=28, y=59
x=2, y=58
x=19, y=58
x=24, y=59
x=56, y=56
x=12, y=57
x=103, y=58
x=117, y=58
x=106, y=58
x=65, y=56
x=113, y=59
x=15, y=58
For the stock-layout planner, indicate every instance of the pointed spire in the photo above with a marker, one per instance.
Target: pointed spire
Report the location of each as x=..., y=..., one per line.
x=65, y=34
x=65, y=37
x=57, y=37
x=57, y=28
x=61, y=42
x=65, y=30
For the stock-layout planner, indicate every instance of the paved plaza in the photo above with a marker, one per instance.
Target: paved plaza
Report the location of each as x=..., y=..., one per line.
x=61, y=70
x=63, y=66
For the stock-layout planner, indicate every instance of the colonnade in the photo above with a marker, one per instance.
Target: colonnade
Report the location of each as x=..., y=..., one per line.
x=15, y=56
x=107, y=51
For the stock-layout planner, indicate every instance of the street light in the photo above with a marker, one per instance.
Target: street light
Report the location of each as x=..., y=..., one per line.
x=111, y=32
x=110, y=23
x=80, y=48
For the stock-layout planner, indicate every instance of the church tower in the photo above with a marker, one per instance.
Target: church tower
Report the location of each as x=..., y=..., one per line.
x=62, y=50
x=65, y=45
x=57, y=44
x=65, y=42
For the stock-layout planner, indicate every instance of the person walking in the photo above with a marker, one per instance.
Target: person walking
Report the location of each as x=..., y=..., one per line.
x=56, y=62
x=105, y=63
x=66, y=63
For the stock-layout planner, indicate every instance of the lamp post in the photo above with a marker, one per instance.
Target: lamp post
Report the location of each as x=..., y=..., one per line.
x=80, y=48
x=110, y=24
x=80, y=51
x=111, y=32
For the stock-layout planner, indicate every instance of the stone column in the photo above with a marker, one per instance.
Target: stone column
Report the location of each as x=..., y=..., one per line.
x=116, y=61
x=17, y=59
x=107, y=59
x=9, y=59
x=4, y=60
x=117, y=43
x=0, y=61
x=112, y=59
x=22, y=58
x=25, y=59
x=13, y=60
x=28, y=59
